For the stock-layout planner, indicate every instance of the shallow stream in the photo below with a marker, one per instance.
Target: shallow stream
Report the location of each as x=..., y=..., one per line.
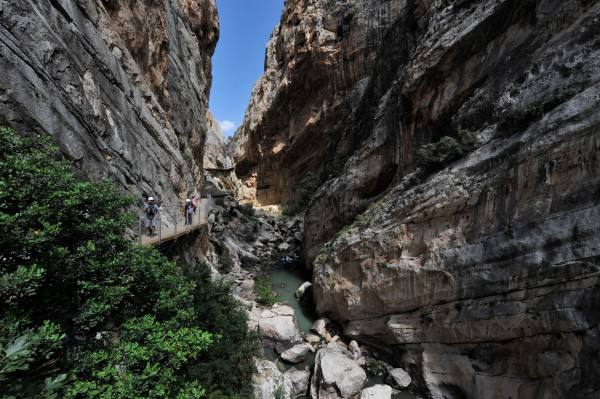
x=285, y=280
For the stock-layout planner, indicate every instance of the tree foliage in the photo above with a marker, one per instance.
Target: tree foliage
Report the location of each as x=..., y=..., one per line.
x=86, y=313
x=436, y=155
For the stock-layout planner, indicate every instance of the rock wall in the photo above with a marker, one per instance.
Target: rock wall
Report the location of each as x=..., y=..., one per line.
x=219, y=168
x=451, y=154
x=122, y=85
x=296, y=131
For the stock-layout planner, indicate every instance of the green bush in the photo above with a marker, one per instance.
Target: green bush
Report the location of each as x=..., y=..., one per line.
x=228, y=366
x=280, y=392
x=264, y=292
x=88, y=314
x=293, y=208
x=303, y=190
x=149, y=358
x=436, y=155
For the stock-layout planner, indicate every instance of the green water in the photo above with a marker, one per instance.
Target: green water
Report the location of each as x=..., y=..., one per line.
x=285, y=281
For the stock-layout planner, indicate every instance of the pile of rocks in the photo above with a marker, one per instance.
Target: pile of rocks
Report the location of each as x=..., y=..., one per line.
x=339, y=369
x=246, y=242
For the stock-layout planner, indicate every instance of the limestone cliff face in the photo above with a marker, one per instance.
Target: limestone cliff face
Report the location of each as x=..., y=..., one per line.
x=218, y=163
x=122, y=85
x=456, y=150
x=296, y=131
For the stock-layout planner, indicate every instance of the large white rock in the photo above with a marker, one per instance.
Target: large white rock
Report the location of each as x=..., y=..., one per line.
x=277, y=323
x=334, y=367
x=313, y=339
x=377, y=392
x=400, y=377
x=301, y=291
x=296, y=354
x=284, y=247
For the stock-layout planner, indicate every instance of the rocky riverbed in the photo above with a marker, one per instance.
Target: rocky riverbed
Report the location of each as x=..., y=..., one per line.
x=299, y=359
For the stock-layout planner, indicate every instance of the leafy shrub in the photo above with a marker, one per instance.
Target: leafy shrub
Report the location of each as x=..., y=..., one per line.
x=264, y=292
x=149, y=358
x=227, y=368
x=293, y=208
x=280, y=392
x=88, y=314
x=303, y=190
x=435, y=155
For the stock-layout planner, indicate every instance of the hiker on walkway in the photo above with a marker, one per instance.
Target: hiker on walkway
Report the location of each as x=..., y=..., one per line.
x=195, y=202
x=188, y=212
x=151, y=211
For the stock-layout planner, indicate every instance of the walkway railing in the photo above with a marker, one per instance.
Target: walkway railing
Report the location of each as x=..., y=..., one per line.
x=170, y=223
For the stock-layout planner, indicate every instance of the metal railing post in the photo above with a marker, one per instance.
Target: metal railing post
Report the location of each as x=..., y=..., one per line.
x=159, y=230
x=175, y=223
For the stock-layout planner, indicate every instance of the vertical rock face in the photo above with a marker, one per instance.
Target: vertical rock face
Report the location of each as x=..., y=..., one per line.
x=122, y=85
x=451, y=153
x=296, y=131
x=218, y=164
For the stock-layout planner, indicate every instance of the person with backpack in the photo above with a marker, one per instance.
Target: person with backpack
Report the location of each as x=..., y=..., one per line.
x=151, y=211
x=188, y=212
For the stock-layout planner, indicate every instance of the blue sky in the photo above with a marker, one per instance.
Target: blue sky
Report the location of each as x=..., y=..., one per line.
x=239, y=59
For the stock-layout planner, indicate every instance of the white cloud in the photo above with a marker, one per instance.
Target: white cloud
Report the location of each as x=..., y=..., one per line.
x=227, y=127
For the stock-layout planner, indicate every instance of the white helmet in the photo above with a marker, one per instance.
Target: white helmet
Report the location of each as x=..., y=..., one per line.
x=188, y=200
x=150, y=198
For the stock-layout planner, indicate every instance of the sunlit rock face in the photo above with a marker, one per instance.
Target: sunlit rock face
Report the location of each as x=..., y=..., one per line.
x=122, y=85
x=319, y=60
x=475, y=263
x=219, y=168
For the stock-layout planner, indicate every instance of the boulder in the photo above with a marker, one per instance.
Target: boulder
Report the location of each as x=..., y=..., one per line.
x=303, y=290
x=296, y=354
x=277, y=323
x=354, y=348
x=297, y=380
x=267, y=380
x=400, y=377
x=312, y=338
x=284, y=247
x=334, y=368
x=377, y=392
x=319, y=326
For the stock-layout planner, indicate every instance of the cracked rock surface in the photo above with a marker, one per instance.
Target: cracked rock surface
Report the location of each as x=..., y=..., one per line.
x=122, y=86
x=447, y=154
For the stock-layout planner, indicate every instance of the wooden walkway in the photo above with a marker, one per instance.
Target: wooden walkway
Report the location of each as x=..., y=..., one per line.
x=170, y=225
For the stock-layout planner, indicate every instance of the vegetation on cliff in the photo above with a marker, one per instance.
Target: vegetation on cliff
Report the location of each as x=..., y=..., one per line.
x=86, y=313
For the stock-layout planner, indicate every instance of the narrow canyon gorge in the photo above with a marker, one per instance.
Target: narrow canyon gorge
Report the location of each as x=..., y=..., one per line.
x=425, y=172
x=447, y=156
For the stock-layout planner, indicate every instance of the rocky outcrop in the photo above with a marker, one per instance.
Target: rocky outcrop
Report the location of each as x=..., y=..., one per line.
x=296, y=354
x=318, y=61
x=450, y=151
x=122, y=86
x=336, y=375
x=268, y=382
x=377, y=392
x=277, y=324
x=218, y=164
